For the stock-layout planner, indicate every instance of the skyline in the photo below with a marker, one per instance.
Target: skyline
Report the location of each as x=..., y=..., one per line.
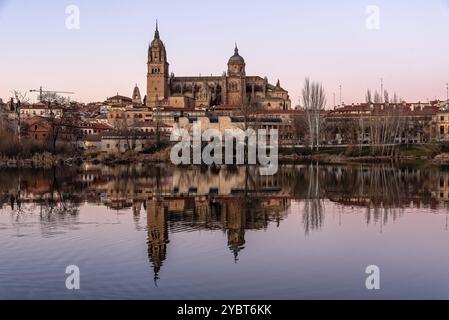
x=108, y=54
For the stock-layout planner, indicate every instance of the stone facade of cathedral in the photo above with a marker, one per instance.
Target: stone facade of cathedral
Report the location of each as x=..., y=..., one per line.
x=233, y=88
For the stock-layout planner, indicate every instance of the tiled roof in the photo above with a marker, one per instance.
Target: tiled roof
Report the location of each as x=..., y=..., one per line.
x=94, y=125
x=150, y=124
x=119, y=97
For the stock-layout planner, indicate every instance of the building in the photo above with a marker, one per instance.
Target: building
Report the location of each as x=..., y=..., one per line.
x=37, y=128
x=42, y=129
x=233, y=87
x=118, y=100
x=136, y=99
x=119, y=141
x=123, y=117
x=440, y=126
x=392, y=123
x=93, y=128
x=91, y=143
x=280, y=120
x=152, y=127
x=41, y=110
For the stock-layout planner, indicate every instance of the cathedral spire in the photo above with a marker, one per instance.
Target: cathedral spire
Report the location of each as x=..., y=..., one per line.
x=156, y=33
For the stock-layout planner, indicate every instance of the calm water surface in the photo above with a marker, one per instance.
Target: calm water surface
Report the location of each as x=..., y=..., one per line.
x=166, y=233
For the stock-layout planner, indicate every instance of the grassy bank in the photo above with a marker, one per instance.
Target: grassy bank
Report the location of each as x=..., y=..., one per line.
x=331, y=154
x=328, y=154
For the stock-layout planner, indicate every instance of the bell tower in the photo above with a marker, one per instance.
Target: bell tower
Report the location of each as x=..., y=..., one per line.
x=158, y=71
x=236, y=87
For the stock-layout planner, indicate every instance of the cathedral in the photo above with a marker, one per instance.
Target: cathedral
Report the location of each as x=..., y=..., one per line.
x=234, y=88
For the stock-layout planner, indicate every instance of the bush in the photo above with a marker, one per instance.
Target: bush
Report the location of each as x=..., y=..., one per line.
x=26, y=148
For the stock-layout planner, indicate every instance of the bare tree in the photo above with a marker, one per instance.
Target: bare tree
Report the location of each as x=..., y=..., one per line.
x=5, y=122
x=377, y=97
x=395, y=98
x=20, y=98
x=368, y=96
x=385, y=126
x=314, y=100
x=54, y=102
x=386, y=97
x=300, y=127
x=126, y=132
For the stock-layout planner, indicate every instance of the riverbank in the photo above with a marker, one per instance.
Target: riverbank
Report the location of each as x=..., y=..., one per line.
x=423, y=153
x=336, y=155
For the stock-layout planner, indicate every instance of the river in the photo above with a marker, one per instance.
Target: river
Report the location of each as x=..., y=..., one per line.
x=158, y=232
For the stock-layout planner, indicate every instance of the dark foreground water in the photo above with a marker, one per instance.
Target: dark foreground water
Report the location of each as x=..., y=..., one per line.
x=165, y=233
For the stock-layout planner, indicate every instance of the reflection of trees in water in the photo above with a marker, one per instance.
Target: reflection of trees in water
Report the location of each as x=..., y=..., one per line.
x=50, y=194
x=253, y=203
x=313, y=213
x=382, y=189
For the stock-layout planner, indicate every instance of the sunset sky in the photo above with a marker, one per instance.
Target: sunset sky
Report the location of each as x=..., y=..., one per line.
x=286, y=39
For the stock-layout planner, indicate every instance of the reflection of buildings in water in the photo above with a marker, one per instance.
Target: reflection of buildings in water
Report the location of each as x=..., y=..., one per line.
x=233, y=216
x=380, y=186
x=382, y=189
x=441, y=185
x=119, y=187
x=122, y=190
x=157, y=236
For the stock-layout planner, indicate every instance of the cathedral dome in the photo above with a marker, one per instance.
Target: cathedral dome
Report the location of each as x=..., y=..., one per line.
x=236, y=58
x=157, y=42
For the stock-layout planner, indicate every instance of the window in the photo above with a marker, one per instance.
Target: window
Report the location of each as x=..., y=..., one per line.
x=441, y=129
x=442, y=118
x=108, y=146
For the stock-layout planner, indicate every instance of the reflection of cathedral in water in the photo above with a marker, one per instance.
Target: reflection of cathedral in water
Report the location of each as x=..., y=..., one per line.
x=157, y=235
x=232, y=200
x=233, y=217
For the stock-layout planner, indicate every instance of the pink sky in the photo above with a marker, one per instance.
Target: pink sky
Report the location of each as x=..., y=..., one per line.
x=289, y=40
